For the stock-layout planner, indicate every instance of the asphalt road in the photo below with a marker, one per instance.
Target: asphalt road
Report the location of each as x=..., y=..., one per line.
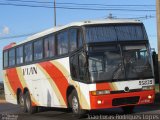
x=15, y=112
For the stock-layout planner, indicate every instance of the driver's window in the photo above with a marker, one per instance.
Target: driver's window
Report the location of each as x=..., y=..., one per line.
x=82, y=66
x=78, y=67
x=74, y=67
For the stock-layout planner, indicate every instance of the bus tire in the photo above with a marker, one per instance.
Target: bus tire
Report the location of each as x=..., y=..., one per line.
x=128, y=109
x=28, y=104
x=77, y=111
x=21, y=99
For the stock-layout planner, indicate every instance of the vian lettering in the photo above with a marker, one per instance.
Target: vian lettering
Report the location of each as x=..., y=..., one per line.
x=30, y=71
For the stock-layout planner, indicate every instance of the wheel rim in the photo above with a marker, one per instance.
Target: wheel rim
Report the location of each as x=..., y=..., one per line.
x=28, y=103
x=21, y=100
x=75, y=104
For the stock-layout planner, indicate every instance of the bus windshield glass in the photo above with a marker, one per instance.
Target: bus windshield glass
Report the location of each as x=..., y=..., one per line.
x=106, y=66
x=137, y=62
x=120, y=32
x=133, y=62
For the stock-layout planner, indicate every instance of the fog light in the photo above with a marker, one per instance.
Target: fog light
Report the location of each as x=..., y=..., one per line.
x=99, y=102
x=148, y=88
x=100, y=92
x=149, y=97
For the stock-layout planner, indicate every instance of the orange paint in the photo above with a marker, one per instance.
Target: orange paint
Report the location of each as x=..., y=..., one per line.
x=103, y=86
x=13, y=79
x=107, y=99
x=58, y=77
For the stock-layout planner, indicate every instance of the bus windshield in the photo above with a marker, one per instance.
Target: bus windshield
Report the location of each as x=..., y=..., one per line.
x=120, y=32
x=112, y=65
x=137, y=62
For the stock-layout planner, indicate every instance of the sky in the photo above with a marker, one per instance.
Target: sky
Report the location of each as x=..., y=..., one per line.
x=21, y=20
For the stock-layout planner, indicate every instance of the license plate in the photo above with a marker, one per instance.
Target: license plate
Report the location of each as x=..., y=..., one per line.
x=146, y=82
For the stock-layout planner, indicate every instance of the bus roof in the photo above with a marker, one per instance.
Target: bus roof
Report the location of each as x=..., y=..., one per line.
x=82, y=23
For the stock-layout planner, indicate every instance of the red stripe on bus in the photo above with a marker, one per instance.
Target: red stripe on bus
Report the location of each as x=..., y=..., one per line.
x=9, y=46
x=58, y=77
x=103, y=86
x=13, y=79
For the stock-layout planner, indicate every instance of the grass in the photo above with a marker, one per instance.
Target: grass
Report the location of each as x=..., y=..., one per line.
x=1, y=95
x=157, y=88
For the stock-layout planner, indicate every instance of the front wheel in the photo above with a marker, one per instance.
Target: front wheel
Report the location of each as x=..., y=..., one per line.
x=28, y=104
x=77, y=111
x=128, y=109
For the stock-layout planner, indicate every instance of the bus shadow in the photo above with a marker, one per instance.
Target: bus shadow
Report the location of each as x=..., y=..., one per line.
x=94, y=114
x=100, y=114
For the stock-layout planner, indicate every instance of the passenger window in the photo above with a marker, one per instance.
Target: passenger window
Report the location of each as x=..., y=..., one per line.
x=62, y=43
x=12, y=57
x=73, y=36
x=49, y=46
x=28, y=50
x=19, y=55
x=5, y=60
x=38, y=50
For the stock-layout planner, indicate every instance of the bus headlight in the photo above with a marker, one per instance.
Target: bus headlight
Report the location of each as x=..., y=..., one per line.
x=100, y=92
x=147, y=87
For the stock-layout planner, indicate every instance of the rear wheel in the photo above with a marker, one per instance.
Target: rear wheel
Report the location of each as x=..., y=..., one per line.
x=128, y=109
x=21, y=99
x=28, y=104
x=77, y=111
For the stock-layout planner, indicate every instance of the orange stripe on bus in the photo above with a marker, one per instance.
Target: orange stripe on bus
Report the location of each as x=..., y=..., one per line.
x=15, y=82
x=6, y=82
x=103, y=86
x=14, y=79
x=57, y=76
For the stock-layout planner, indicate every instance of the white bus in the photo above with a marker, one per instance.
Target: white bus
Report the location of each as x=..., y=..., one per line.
x=85, y=66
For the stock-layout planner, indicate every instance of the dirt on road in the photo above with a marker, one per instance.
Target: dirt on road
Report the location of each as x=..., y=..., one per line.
x=2, y=101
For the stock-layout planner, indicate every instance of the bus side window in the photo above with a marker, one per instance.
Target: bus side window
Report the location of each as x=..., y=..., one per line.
x=49, y=46
x=19, y=55
x=12, y=57
x=62, y=43
x=38, y=50
x=73, y=36
x=5, y=59
x=74, y=67
x=28, y=51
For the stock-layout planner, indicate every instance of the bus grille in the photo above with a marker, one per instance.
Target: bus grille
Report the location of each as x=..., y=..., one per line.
x=125, y=101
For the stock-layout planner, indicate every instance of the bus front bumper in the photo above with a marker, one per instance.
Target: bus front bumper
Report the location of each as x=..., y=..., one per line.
x=123, y=99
